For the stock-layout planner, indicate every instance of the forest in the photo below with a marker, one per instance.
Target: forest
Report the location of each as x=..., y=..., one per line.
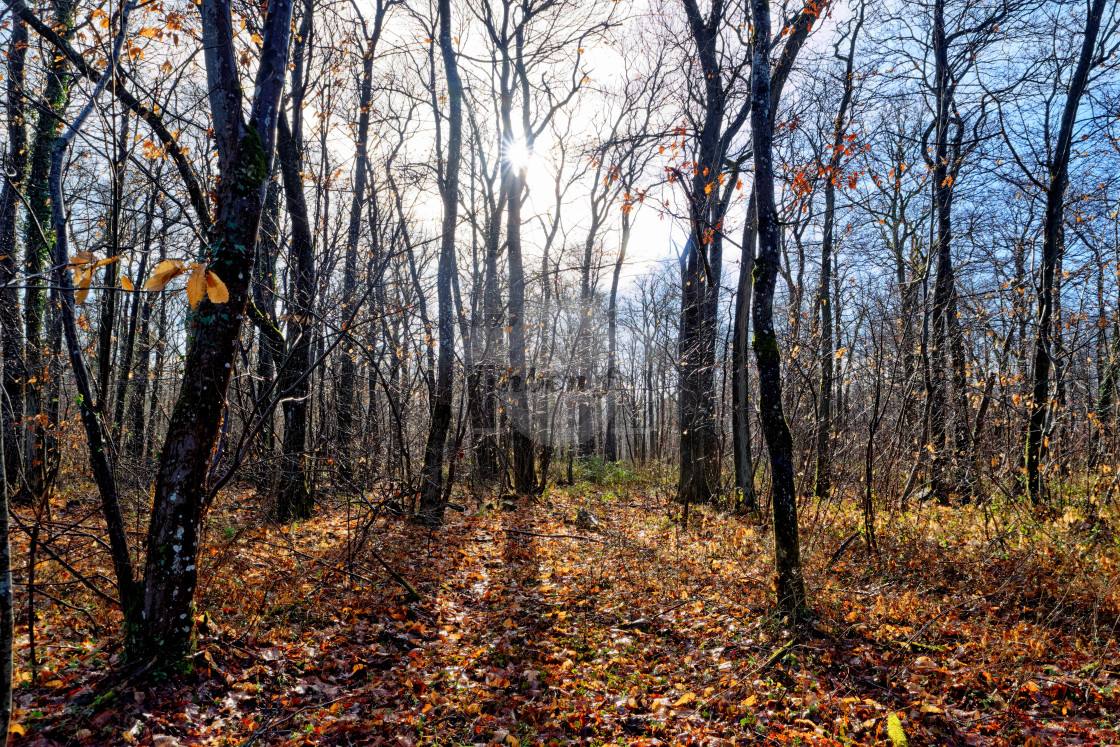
x=560, y=372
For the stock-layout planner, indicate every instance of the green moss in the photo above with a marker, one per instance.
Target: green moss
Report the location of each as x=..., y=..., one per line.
x=895, y=732
x=252, y=162
x=765, y=346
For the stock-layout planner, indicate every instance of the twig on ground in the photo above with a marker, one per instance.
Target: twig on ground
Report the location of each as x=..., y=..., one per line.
x=554, y=536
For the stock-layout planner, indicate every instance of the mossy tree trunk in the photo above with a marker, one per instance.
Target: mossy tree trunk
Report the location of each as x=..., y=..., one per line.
x=245, y=149
x=37, y=255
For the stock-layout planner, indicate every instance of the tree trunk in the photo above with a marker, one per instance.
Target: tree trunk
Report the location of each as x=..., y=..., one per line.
x=824, y=292
x=106, y=333
x=244, y=159
x=124, y=376
x=294, y=499
x=524, y=466
x=431, y=495
x=945, y=283
x=584, y=399
x=270, y=352
x=11, y=346
x=484, y=410
x=37, y=256
x=747, y=499
x=348, y=376
x=787, y=549
x=700, y=275
x=7, y=595
x=62, y=295
x=610, y=445
x=1051, y=255
x=11, y=331
x=137, y=420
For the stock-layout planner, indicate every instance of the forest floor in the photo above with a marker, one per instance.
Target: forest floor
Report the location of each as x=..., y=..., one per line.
x=964, y=629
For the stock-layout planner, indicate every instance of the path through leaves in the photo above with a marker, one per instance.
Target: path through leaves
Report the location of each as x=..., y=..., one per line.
x=536, y=629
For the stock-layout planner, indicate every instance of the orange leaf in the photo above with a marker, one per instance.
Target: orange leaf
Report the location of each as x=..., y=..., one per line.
x=216, y=289
x=164, y=273
x=82, y=282
x=196, y=286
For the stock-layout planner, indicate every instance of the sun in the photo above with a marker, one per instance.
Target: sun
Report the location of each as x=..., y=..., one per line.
x=518, y=154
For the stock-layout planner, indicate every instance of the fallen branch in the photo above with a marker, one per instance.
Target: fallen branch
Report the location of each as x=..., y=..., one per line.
x=840, y=550
x=268, y=726
x=416, y=596
x=775, y=657
x=554, y=536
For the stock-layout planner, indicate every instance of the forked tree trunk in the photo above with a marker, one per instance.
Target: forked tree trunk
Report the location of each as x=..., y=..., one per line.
x=787, y=547
x=431, y=492
x=245, y=150
x=700, y=273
